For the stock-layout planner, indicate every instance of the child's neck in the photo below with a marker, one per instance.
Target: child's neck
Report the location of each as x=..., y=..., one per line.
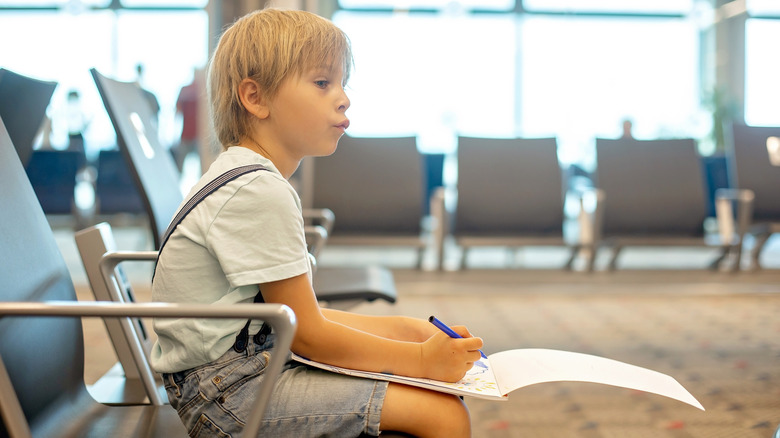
x=286, y=167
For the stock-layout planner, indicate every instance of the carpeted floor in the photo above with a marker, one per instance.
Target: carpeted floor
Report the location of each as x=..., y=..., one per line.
x=719, y=339
x=716, y=333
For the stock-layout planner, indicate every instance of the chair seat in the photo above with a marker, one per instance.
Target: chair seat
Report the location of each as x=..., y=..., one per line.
x=83, y=417
x=116, y=388
x=362, y=283
x=129, y=421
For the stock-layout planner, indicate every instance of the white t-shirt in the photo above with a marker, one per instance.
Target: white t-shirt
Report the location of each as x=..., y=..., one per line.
x=249, y=231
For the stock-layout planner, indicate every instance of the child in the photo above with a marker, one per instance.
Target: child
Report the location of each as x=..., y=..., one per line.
x=276, y=86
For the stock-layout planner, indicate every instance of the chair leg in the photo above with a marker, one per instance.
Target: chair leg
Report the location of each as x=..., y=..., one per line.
x=573, y=256
x=613, y=258
x=737, y=250
x=590, y=257
x=463, y=252
x=715, y=264
x=755, y=252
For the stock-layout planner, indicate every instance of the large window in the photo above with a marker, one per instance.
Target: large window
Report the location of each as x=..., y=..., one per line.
x=611, y=6
x=762, y=69
x=62, y=40
x=501, y=75
x=436, y=76
x=432, y=68
x=54, y=3
x=483, y=5
x=582, y=76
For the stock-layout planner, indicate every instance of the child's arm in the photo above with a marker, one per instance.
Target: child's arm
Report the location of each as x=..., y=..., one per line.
x=324, y=340
x=400, y=328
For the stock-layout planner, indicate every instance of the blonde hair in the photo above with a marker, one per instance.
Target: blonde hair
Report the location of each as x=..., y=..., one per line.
x=268, y=46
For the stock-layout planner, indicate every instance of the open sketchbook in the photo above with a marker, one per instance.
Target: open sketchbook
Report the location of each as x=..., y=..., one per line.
x=501, y=373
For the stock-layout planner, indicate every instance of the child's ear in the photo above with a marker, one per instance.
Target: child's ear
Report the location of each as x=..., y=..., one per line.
x=253, y=98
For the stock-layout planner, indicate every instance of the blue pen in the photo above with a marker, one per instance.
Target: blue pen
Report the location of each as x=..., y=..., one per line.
x=443, y=327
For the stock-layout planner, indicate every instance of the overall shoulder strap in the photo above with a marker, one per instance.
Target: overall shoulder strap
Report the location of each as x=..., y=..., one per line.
x=242, y=339
x=208, y=189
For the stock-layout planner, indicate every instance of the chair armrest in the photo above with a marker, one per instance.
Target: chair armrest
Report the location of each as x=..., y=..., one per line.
x=122, y=256
x=111, y=260
x=316, y=235
x=107, y=265
x=280, y=317
x=320, y=216
x=731, y=233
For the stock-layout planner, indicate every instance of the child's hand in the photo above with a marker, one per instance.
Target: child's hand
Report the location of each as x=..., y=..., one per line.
x=448, y=359
x=421, y=329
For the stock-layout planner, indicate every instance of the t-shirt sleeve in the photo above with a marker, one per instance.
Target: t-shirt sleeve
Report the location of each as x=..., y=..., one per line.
x=258, y=237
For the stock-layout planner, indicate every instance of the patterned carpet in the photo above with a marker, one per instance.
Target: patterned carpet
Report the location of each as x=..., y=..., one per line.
x=718, y=338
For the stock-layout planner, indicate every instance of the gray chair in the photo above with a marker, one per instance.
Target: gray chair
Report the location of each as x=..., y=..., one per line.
x=42, y=391
x=151, y=165
x=123, y=383
x=376, y=190
x=509, y=193
x=654, y=196
x=753, y=162
x=23, y=103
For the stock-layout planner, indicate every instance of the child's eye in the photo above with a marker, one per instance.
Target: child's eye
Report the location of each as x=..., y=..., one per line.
x=321, y=83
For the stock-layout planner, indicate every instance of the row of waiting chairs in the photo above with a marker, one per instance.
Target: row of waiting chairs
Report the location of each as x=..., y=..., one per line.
x=54, y=177
x=511, y=192
x=35, y=271
x=53, y=173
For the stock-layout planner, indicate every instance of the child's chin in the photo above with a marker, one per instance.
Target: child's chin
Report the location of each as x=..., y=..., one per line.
x=329, y=151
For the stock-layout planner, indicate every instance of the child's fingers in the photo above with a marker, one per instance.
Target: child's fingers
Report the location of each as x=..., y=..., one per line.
x=473, y=344
x=462, y=330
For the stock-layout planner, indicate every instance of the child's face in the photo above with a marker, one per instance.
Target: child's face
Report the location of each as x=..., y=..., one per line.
x=307, y=114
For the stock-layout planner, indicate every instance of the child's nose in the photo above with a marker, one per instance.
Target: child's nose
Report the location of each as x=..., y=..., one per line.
x=344, y=101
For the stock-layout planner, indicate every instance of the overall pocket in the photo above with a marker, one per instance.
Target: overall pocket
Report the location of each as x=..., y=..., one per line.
x=234, y=387
x=205, y=428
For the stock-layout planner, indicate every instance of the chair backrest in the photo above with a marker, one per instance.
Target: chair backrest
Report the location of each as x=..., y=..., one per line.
x=34, y=350
x=23, y=103
x=508, y=187
x=93, y=243
x=52, y=174
x=652, y=187
x=750, y=167
x=373, y=186
x=115, y=189
x=152, y=165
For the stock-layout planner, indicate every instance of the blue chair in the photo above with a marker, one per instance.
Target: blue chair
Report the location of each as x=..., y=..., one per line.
x=115, y=189
x=52, y=174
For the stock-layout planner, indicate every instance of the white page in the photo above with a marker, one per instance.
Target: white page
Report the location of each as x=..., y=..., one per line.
x=518, y=368
x=478, y=382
